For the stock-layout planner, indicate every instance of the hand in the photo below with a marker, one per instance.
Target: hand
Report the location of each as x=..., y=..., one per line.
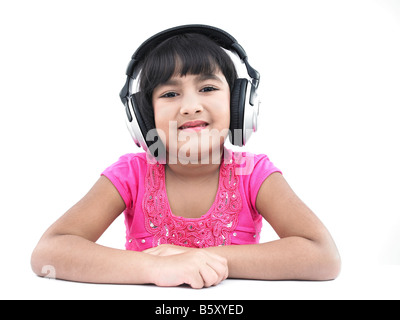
x=195, y=267
x=167, y=250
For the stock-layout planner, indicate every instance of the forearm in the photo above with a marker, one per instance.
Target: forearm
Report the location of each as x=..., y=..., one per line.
x=287, y=258
x=77, y=259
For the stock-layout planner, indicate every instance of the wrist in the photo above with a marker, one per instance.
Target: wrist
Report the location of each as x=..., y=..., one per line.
x=152, y=268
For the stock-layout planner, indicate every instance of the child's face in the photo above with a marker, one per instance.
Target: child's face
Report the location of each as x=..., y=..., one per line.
x=192, y=113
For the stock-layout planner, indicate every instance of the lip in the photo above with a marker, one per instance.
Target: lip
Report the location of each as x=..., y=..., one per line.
x=196, y=125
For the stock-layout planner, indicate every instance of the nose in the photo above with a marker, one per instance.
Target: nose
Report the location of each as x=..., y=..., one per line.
x=191, y=105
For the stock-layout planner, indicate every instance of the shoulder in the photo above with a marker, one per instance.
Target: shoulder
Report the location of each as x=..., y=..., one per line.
x=252, y=170
x=126, y=175
x=131, y=158
x=253, y=167
x=128, y=164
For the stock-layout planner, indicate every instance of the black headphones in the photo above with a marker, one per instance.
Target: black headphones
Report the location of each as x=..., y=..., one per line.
x=244, y=102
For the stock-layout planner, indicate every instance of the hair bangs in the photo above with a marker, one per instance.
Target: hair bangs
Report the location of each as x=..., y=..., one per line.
x=195, y=61
x=185, y=54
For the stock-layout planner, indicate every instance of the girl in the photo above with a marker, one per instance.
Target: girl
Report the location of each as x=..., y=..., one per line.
x=193, y=209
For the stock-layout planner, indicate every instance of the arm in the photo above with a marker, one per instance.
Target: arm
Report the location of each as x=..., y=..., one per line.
x=69, y=247
x=69, y=244
x=305, y=250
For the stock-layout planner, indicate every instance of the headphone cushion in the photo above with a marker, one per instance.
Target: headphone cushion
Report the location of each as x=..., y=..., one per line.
x=145, y=113
x=238, y=101
x=145, y=123
x=138, y=116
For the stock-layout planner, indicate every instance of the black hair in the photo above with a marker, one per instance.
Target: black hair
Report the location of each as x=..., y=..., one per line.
x=183, y=54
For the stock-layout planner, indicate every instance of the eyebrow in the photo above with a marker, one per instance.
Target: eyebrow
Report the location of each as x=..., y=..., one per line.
x=199, y=78
x=205, y=77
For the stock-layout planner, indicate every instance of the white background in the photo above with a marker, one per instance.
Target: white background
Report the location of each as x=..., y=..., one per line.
x=329, y=120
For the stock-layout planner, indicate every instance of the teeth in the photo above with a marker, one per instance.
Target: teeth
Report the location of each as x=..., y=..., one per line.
x=202, y=125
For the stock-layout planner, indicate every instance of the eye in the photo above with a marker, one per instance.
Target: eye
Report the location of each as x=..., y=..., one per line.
x=208, y=89
x=169, y=95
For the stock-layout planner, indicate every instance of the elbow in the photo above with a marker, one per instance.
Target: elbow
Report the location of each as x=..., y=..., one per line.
x=41, y=261
x=327, y=263
x=332, y=268
x=37, y=261
x=329, y=266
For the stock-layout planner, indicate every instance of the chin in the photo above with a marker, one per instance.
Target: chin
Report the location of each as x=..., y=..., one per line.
x=195, y=154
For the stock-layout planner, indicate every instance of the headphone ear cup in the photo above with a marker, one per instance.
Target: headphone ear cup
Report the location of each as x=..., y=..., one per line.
x=136, y=123
x=140, y=126
x=238, y=102
x=144, y=118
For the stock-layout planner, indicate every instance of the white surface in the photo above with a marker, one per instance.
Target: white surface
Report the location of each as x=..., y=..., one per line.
x=368, y=282
x=330, y=79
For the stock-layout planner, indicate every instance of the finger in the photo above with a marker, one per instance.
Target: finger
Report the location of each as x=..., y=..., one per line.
x=148, y=250
x=196, y=281
x=221, y=271
x=154, y=251
x=219, y=265
x=165, y=250
x=226, y=275
x=210, y=276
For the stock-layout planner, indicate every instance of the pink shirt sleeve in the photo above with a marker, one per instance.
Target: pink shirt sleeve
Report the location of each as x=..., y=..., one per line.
x=125, y=175
x=262, y=169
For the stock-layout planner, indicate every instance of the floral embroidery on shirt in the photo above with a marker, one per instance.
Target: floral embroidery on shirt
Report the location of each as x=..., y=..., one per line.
x=212, y=229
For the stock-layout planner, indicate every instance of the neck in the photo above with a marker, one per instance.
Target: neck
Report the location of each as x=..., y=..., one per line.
x=194, y=171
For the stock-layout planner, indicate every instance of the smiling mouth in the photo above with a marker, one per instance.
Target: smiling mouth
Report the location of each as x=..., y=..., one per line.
x=194, y=125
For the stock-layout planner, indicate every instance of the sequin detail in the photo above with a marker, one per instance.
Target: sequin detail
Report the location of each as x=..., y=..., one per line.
x=212, y=229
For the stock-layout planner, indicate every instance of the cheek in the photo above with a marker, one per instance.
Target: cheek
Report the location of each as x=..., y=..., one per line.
x=166, y=126
x=161, y=116
x=227, y=117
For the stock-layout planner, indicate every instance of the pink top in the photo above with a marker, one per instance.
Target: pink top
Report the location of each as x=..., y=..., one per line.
x=232, y=219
